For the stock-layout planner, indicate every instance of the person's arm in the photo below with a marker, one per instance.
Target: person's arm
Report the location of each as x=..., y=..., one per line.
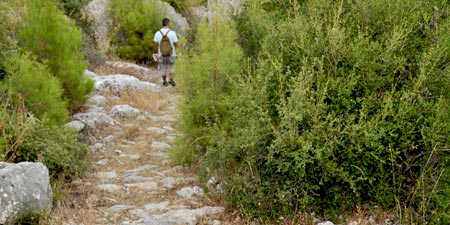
x=155, y=47
x=155, y=51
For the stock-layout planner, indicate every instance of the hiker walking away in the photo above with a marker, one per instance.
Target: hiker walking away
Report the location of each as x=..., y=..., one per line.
x=164, y=44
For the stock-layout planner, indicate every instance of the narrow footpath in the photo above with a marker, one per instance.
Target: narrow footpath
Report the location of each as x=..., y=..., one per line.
x=132, y=179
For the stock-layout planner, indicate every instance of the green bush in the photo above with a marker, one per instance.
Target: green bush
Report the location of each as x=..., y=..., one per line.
x=55, y=41
x=205, y=77
x=134, y=23
x=43, y=97
x=25, y=138
x=252, y=23
x=347, y=106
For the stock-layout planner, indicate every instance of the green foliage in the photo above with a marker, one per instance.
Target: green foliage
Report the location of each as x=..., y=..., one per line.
x=134, y=23
x=42, y=97
x=252, y=23
x=25, y=138
x=56, y=42
x=347, y=106
x=205, y=78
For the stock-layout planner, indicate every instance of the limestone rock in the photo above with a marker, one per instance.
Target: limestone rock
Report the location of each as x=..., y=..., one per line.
x=97, y=11
x=98, y=100
x=124, y=111
x=24, y=187
x=120, y=83
x=95, y=119
x=189, y=192
x=182, y=216
x=76, y=125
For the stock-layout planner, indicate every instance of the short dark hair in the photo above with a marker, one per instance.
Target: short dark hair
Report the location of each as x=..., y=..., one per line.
x=165, y=21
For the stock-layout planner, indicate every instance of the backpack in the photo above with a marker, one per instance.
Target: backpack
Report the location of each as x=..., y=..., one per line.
x=165, y=46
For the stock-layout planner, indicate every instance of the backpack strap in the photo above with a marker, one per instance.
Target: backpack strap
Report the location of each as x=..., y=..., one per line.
x=163, y=33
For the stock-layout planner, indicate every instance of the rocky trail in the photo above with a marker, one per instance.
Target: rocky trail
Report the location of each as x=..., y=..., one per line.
x=131, y=123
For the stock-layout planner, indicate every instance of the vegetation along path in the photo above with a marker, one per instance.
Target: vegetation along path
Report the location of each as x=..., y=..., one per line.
x=133, y=180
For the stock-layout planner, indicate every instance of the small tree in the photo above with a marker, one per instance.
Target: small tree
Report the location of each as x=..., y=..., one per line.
x=134, y=22
x=207, y=76
x=31, y=82
x=56, y=42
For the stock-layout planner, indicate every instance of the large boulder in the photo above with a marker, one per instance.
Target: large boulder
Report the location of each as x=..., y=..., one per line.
x=24, y=187
x=97, y=11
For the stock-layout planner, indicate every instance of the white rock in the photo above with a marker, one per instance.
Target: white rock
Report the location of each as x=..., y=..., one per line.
x=96, y=109
x=189, y=192
x=24, y=187
x=98, y=12
x=76, y=125
x=141, y=168
x=156, y=130
x=165, y=118
x=108, y=138
x=119, y=83
x=95, y=119
x=160, y=145
x=182, y=216
x=131, y=156
x=90, y=74
x=212, y=181
x=169, y=183
x=150, y=185
x=126, y=66
x=156, y=206
x=124, y=111
x=326, y=223
x=98, y=146
x=121, y=207
x=132, y=178
x=107, y=175
x=169, y=128
x=103, y=162
x=98, y=100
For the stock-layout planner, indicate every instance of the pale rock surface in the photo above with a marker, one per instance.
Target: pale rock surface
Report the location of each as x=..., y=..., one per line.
x=98, y=100
x=120, y=83
x=94, y=120
x=24, y=187
x=124, y=111
x=182, y=216
x=98, y=13
x=189, y=192
x=76, y=125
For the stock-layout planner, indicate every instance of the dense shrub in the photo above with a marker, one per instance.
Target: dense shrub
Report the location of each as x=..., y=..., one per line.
x=55, y=41
x=206, y=76
x=26, y=138
x=252, y=23
x=43, y=97
x=134, y=23
x=347, y=106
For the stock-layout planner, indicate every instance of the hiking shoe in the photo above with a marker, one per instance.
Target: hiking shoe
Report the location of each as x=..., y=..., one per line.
x=165, y=83
x=172, y=82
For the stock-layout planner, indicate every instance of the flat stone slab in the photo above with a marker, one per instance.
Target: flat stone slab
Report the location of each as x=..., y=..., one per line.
x=144, y=185
x=107, y=175
x=140, y=169
x=182, y=216
x=157, y=206
x=160, y=145
x=189, y=192
x=108, y=187
x=132, y=178
x=157, y=130
x=121, y=207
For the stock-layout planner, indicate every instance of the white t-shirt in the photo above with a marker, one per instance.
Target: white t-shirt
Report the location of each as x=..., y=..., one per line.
x=171, y=35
